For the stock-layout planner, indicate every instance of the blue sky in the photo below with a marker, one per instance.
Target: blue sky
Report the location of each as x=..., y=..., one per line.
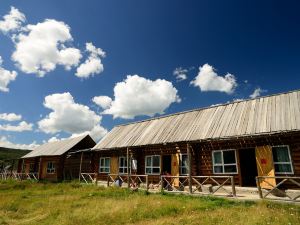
x=255, y=44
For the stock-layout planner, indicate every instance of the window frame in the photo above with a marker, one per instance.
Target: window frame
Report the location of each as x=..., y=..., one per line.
x=283, y=163
x=123, y=167
x=104, y=167
x=152, y=167
x=222, y=164
x=51, y=170
x=181, y=166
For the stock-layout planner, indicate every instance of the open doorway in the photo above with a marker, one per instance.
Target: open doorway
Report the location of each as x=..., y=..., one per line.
x=248, y=166
x=166, y=164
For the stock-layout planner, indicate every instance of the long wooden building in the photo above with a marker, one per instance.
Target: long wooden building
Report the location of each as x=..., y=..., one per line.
x=59, y=160
x=244, y=139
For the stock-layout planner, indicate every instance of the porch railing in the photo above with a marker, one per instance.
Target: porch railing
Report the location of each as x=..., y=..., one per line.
x=134, y=182
x=25, y=176
x=88, y=178
x=278, y=190
x=199, y=184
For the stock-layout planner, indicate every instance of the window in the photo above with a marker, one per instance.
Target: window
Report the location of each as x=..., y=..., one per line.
x=183, y=166
x=282, y=160
x=152, y=164
x=224, y=161
x=104, y=165
x=50, y=167
x=122, y=164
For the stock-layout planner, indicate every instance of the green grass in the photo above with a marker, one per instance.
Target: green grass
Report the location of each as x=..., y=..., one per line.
x=72, y=203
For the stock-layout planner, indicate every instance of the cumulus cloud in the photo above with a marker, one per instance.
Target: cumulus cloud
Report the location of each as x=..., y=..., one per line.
x=140, y=96
x=6, y=77
x=208, y=80
x=10, y=117
x=103, y=101
x=41, y=47
x=257, y=92
x=92, y=64
x=180, y=73
x=4, y=142
x=69, y=116
x=12, y=21
x=22, y=126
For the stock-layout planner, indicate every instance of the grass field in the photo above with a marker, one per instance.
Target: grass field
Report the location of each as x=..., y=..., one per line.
x=72, y=203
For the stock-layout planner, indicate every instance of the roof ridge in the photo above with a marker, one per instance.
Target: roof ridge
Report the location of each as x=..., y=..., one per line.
x=203, y=108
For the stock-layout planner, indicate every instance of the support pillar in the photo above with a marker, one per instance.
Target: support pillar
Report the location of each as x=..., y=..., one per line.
x=128, y=175
x=80, y=166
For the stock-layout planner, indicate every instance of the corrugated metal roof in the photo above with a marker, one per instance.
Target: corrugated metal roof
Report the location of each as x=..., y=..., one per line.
x=269, y=114
x=55, y=148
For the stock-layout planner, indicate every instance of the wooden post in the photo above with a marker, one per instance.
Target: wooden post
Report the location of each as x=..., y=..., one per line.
x=190, y=168
x=147, y=184
x=22, y=168
x=40, y=169
x=161, y=183
x=128, y=176
x=233, y=186
x=259, y=187
x=80, y=166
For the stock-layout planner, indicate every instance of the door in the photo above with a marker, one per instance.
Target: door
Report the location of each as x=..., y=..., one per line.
x=265, y=165
x=248, y=167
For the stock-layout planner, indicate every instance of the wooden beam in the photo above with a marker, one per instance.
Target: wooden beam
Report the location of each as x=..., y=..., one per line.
x=190, y=167
x=80, y=166
x=40, y=169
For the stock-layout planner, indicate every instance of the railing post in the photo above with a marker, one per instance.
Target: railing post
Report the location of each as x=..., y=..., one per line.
x=259, y=187
x=233, y=186
x=190, y=168
x=107, y=180
x=128, y=176
x=161, y=183
x=147, y=184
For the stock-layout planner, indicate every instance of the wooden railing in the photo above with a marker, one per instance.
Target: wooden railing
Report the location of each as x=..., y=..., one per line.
x=198, y=184
x=88, y=178
x=25, y=176
x=133, y=181
x=278, y=191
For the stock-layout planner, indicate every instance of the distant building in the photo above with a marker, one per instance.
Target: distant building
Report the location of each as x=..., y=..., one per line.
x=58, y=160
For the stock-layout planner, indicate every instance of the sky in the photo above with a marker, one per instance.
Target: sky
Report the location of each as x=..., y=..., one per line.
x=69, y=68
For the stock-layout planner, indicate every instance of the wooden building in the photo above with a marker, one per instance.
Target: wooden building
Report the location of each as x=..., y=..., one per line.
x=243, y=139
x=59, y=160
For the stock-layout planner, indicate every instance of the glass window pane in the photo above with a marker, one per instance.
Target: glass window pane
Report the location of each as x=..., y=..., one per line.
x=230, y=169
x=184, y=170
x=107, y=162
x=148, y=170
x=184, y=160
x=101, y=162
x=155, y=170
x=217, y=158
x=148, y=161
x=156, y=161
x=283, y=168
x=281, y=154
x=218, y=169
x=229, y=157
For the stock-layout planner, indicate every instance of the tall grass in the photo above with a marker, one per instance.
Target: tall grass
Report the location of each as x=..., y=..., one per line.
x=72, y=203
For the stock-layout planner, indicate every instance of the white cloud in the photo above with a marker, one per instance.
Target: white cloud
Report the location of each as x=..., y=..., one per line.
x=257, y=92
x=6, y=77
x=180, y=74
x=12, y=21
x=4, y=142
x=22, y=126
x=41, y=47
x=103, y=101
x=140, y=96
x=92, y=64
x=10, y=117
x=208, y=80
x=68, y=116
